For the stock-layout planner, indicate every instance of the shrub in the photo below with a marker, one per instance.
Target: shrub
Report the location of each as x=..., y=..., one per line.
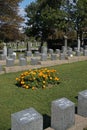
x=38, y=78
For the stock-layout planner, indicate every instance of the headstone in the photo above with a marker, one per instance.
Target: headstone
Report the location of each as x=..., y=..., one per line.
x=85, y=47
x=69, y=52
x=28, y=53
x=65, y=42
x=53, y=56
x=85, y=52
x=5, y=50
x=28, y=119
x=34, y=61
x=82, y=103
x=62, y=56
x=78, y=53
x=43, y=57
x=9, y=51
x=12, y=56
x=21, y=56
x=37, y=53
x=44, y=49
x=22, y=61
x=57, y=51
x=9, y=62
x=62, y=114
x=50, y=51
x=2, y=57
x=78, y=44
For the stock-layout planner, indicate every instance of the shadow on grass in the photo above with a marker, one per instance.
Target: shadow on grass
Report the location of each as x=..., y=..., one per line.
x=46, y=121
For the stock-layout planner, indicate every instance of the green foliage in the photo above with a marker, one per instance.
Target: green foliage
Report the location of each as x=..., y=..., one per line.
x=47, y=18
x=9, y=20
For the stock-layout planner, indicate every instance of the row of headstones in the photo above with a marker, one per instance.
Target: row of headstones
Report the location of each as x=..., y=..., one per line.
x=22, y=59
x=62, y=115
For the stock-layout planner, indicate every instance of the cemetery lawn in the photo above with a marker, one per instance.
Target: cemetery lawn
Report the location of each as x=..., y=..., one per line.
x=73, y=79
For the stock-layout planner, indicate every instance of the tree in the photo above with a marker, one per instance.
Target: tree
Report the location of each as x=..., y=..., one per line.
x=9, y=19
x=55, y=18
x=76, y=16
x=45, y=18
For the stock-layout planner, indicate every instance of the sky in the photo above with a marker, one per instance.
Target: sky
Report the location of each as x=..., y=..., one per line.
x=24, y=3
x=22, y=6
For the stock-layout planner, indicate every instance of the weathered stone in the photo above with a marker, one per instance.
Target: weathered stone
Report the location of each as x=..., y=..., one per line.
x=28, y=119
x=62, y=114
x=82, y=103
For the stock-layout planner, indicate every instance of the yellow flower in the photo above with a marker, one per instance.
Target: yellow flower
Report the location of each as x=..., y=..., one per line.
x=22, y=82
x=44, y=82
x=56, y=78
x=33, y=88
x=27, y=86
x=17, y=79
x=44, y=86
x=50, y=77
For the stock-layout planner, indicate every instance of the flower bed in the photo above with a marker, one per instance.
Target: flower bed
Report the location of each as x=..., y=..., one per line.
x=38, y=78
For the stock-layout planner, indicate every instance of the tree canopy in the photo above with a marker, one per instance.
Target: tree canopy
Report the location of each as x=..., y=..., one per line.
x=55, y=18
x=9, y=19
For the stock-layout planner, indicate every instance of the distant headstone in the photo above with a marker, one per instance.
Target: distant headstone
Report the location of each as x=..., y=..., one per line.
x=82, y=103
x=44, y=49
x=50, y=51
x=22, y=61
x=28, y=119
x=2, y=57
x=62, y=114
x=78, y=53
x=43, y=57
x=57, y=51
x=21, y=56
x=9, y=62
x=9, y=51
x=29, y=53
x=53, y=56
x=34, y=61
x=85, y=52
x=62, y=56
x=37, y=53
x=5, y=50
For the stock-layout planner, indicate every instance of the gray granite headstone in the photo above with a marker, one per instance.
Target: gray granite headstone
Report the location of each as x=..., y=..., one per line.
x=78, y=53
x=2, y=57
x=34, y=61
x=29, y=53
x=9, y=51
x=85, y=47
x=9, y=62
x=43, y=57
x=12, y=56
x=37, y=53
x=57, y=51
x=62, y=56
x=22, y=61
x=82, y=103
x=44, y=49
x=28, y=119
x=21, y=56
x=85, y=52
x=62, y=114
x=50, y=51
x=53, y=56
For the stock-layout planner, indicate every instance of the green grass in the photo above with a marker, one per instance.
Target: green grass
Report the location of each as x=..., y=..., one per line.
x=73, y=79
